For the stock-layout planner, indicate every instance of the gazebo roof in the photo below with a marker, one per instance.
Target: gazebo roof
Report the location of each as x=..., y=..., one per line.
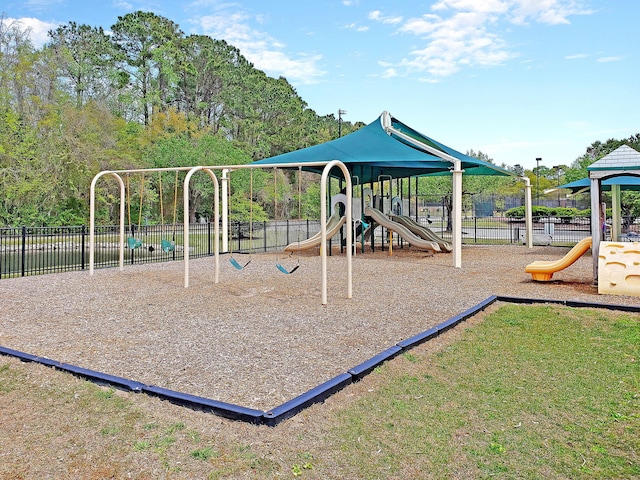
x=623, y=160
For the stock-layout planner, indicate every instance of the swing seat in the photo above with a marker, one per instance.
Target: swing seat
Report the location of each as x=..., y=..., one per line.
x=134, y=243
x=167, y=246
x=237, y=265
x=285, y=271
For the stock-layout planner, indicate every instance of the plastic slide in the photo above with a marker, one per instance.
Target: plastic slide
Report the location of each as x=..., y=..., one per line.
x=422, y=232
x=401, y=230
x=542, y=271
x=334, y=224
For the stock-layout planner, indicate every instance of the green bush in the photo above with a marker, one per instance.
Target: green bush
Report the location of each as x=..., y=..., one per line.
x=565, y=213
x=537, y=211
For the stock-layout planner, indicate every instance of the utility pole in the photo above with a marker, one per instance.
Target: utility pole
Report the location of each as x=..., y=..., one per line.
x=538, y=160
x=340, y=113
x=558, y=168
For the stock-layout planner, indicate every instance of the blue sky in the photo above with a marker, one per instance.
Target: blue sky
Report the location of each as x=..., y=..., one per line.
x=515, y=79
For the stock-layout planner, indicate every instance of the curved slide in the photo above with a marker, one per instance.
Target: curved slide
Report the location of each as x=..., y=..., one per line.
x=334, y=224
x=422, y=232
x=542, y=271
x=401, y=230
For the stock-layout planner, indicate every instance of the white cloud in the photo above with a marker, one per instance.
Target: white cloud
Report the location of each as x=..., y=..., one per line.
x=460, y=40
x=37, y=29
x=552, y=12
x=466, y=33
x=356, y=27
x=390, y=73
x=609, y=59
x=485, y=6
x=123, y=5
x=576, y=56
x=378, y=17
x=264, y=51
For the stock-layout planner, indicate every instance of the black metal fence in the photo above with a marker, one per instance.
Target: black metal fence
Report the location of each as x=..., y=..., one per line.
x=38, y=250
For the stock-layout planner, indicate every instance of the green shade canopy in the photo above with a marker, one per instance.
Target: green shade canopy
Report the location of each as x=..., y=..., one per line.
x=626, y=182
x=375, y=151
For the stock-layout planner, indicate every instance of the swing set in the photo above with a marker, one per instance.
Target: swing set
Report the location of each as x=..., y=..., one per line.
x=133, y=241
x=237, y=265
x=279, y=266
x=168, y=245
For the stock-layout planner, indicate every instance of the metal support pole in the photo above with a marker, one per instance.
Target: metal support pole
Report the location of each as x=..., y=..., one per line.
x=457, y=214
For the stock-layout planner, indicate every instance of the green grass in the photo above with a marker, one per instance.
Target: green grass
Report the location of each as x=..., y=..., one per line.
x=532, y=392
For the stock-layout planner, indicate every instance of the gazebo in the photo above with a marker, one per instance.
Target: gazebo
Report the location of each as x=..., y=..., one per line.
x=624, y=161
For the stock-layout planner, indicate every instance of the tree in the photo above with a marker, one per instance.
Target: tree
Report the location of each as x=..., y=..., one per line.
x=629, y=201
x=596, y=151
x=182, y=150
x=85, y=59
x=151, y=57
x=207, y=79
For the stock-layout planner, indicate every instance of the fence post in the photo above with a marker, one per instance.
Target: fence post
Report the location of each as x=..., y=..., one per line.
x=288, y=241
x=475, y=229
x=132, y=250
x=24, y=250
x=83, y=233
x=209, y=238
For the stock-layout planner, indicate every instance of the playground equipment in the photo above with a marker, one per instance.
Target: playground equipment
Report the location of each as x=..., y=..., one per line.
x=542, y=270
x=279, y=266
x=334, y=225
x=232, y=260
x=327, y=166
x=422, y=231
x=168, y=245
x=619, y=268
x=416, y=241
x=134, y=242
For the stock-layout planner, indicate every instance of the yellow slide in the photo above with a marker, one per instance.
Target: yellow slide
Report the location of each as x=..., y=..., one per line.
x=542, y=271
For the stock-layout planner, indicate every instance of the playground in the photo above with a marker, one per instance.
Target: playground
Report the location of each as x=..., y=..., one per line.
x=248, y=338
x=260, y=338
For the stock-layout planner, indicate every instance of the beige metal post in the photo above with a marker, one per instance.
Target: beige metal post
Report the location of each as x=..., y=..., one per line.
x=216, y=214
x=92, y=220
x=323, y=226
x=528, y=213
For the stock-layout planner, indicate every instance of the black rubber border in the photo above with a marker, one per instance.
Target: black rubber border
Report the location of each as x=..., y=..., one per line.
x=317, y=394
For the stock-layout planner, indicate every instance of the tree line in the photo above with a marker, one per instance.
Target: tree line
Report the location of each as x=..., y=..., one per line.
x=147, y=95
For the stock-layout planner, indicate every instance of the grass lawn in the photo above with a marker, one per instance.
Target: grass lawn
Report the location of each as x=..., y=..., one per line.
x=531, y=392
x=525, y=392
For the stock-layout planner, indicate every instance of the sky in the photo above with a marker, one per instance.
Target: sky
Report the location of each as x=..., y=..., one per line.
x=514, y=79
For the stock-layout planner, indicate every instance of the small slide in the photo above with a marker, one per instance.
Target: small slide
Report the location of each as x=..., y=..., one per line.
x=422, y=232
x=401, y=230
x=334, y=224
x=542, y=271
